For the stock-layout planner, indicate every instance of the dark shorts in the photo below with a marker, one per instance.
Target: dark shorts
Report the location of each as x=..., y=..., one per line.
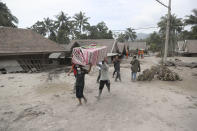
x=103, y=83
x=79, y=91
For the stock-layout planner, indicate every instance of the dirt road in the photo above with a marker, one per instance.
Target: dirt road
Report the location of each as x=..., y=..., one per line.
x=30, y=103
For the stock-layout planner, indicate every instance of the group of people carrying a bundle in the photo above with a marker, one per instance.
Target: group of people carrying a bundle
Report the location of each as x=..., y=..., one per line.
x=103, y=77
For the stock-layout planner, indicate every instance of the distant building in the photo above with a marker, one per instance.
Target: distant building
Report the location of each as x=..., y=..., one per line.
x=137, y=45
x=25, y=50
x=187, y=47
x=132, y=46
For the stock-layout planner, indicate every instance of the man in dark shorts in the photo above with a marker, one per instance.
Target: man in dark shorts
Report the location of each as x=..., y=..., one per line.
x=117, y=69
x=115, y=63
x=80, y=81
x=104, y=79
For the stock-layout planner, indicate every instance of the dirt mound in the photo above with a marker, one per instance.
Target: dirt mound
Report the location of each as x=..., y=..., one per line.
x=160, y=72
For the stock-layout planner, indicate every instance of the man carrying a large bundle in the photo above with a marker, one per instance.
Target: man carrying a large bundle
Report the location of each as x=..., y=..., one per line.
x=83, y=56
x=80, y=80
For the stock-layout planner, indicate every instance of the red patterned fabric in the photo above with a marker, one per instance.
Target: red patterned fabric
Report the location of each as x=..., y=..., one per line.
x=89, y=54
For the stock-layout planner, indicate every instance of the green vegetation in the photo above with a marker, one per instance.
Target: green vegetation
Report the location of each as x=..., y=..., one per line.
x=6, y=17
x=128, y=35
x=191, y=21
x=155, y=42
x=65, y=28
x=176, y=26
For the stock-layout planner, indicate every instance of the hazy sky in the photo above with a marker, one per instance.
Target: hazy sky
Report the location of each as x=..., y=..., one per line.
x=117, y=14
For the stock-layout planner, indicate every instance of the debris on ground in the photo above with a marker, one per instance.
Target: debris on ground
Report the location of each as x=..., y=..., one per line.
x=54, y=74
x=32, y=112
x=147, y=75
x=10, y=78
x=165, y=74
x=178, y=62
x=160, y=72
x=194, y=74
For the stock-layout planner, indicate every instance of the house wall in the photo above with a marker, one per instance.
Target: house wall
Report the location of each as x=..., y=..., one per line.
x=9, y=66
x=33, y=62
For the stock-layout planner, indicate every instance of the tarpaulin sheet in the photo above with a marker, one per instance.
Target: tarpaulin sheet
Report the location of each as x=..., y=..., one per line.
x=89, y=54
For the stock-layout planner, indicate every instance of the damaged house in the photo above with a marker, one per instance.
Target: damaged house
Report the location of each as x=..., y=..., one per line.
x=23, y=50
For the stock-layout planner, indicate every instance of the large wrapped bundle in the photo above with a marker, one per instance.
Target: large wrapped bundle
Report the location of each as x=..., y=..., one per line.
x=89, y=54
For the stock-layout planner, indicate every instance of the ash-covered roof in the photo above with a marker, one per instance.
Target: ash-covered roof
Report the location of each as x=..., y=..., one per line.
x=25, y=41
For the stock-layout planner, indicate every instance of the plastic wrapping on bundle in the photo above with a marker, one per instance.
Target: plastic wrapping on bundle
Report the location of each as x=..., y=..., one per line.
x=89, y=54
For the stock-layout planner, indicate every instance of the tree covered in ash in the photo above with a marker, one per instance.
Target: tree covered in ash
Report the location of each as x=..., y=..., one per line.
x=7, y=19
x=64, y=28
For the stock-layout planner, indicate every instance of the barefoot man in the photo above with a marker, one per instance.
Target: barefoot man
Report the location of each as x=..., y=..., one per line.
x=80, y=80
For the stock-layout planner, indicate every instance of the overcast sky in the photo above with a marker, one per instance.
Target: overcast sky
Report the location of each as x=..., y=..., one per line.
x=117, y=14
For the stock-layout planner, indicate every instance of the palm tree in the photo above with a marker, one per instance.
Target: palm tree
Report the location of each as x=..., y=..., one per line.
x=39, y=27
x=45, y=28
x=6, y=17
x=192, y=19
x=63, y=26
x=49, y=26
x=81, y=21
x=176, y=26
x=121, y=37
x=130, y=34
x=62, y=18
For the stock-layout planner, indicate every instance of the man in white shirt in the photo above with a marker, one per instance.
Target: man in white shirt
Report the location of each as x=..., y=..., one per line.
x=104, y=79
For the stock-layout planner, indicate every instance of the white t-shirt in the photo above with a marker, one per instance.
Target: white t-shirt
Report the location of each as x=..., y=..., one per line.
x=104, y=72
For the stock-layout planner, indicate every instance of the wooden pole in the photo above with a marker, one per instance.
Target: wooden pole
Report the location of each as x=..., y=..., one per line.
x=167, y=33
